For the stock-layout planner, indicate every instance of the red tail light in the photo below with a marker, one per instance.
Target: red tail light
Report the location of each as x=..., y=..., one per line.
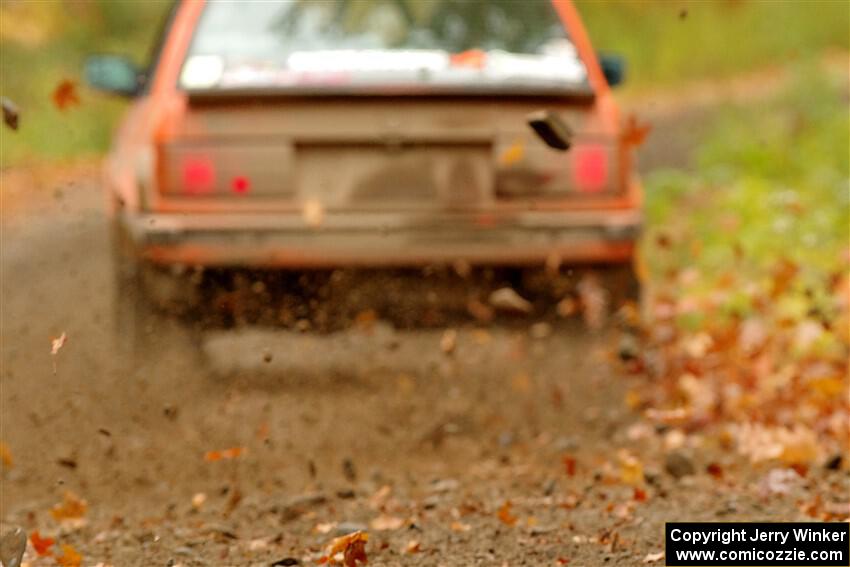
x=590, y=168
x=198, y=175
x=240, y=184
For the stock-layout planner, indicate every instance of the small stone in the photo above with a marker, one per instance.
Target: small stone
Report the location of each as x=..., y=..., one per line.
x=345, y=494
x=348, y=470
x=506, y=439
x=678, y=465
x=448, y=342
x=541, y=330
x=567, y=307
x=508, y=300
x=431, y=502
x=345, y=528
x=198, y=500
x=541, y=530
x=11, y=114
x=727, y=509
x=834, y=462
x=307, y=500
x=286, y=562
x=445, y=485
x=12, y=546
x=299, y=505
x=566, y=444
x=628, y=348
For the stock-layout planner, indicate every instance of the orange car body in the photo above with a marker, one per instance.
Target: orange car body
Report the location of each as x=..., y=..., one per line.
x=334, y=179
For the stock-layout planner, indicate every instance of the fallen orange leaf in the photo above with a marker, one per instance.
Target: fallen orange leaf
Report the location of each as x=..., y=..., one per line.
x=505, y=515
x=352, y=547
x=569, y=465
x=460, y=527
x=72, y=506
x=413, y=546
x=69, y=557
x=65, y=95
x=714, y=470
x=6, y=455
x=631, y=469
x=232, y=453
x=634, y=133
x=41, y=545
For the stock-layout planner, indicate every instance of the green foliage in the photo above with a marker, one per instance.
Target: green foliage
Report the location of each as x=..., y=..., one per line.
x=48, y=44
x=671, y=41
x=771, y=187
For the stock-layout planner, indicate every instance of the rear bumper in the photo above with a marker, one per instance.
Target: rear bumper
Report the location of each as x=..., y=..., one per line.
x=278, y=240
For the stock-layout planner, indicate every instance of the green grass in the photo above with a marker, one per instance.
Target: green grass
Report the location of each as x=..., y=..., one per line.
x=666, y=42
x=771, y=188
x=42, y=43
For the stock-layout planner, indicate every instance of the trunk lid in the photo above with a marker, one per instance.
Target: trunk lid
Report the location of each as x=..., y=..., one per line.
x=382, y=154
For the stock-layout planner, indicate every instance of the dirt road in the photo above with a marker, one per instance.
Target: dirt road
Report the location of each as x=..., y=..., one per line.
x=511, y=450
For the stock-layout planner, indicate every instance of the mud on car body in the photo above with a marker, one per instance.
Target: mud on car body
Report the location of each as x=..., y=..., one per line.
x=272, y=144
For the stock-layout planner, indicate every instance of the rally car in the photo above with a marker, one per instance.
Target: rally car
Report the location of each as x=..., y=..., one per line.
x=270, y=142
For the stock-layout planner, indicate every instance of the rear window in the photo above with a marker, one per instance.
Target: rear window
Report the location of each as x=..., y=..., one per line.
x=381, y=43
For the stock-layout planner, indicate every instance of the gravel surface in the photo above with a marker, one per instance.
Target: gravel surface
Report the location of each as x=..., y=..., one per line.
x=510, y=447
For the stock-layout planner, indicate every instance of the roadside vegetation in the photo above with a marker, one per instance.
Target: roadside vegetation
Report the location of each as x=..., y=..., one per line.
x=748, y=261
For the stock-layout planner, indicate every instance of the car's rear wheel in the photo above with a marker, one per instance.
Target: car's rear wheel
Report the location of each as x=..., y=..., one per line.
x=144, y=326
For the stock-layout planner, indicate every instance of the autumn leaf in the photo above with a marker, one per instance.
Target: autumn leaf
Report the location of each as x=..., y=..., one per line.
x=225, y=454
x=714, y=470
x=569, y=465
x=41, y=545
x=413, y=546
x=72, y=507
x=57, y=344
x=634, y=133
x=65, y=95
x=631, y=469
x=6, y=456
x=351, y=546
x=783, y=274
x=69, y=557
x=505, y=515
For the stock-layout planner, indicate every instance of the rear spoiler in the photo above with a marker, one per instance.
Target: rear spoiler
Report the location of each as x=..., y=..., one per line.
x=580, y=94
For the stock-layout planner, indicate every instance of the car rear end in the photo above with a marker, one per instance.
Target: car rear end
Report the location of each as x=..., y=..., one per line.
x=301, y=150
x=299, y=182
